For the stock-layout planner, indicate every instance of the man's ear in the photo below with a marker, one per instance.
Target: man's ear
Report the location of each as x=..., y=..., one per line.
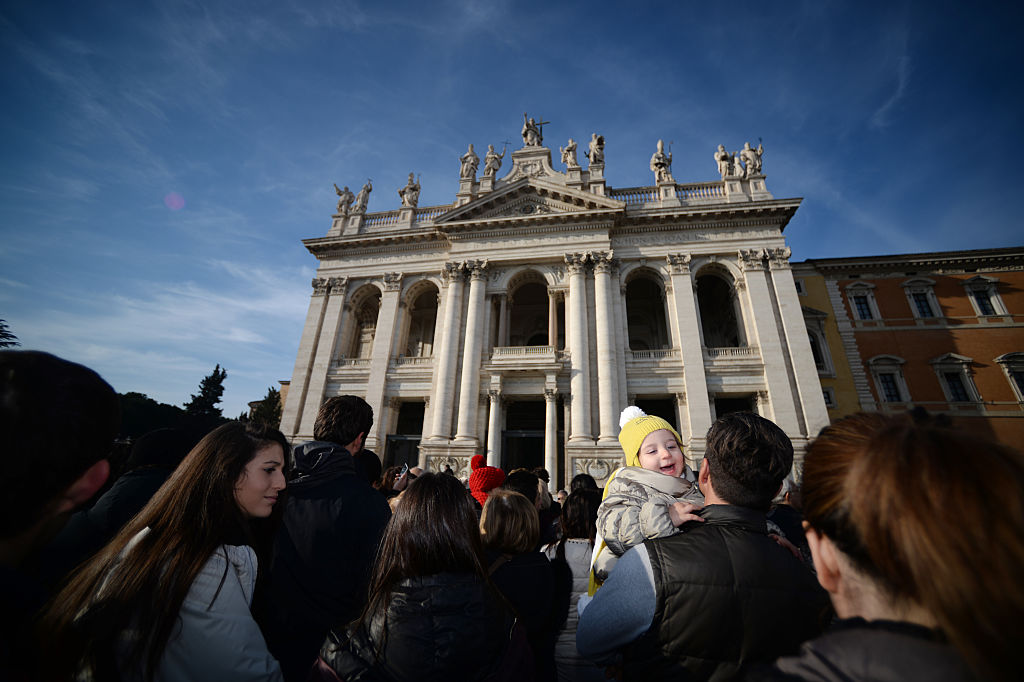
x=84, y=487
x=356, y=446
x=826, y=561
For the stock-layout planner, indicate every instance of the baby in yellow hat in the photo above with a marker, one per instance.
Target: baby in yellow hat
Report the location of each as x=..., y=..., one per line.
x=651, y=497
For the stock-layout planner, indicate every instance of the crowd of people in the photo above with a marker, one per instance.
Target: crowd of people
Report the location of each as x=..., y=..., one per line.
x=237, y=557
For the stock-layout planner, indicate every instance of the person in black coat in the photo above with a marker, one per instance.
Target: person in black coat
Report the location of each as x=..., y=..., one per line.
x=332, y=526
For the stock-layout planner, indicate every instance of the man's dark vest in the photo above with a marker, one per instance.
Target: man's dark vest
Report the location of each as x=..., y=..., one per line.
x=727, y=595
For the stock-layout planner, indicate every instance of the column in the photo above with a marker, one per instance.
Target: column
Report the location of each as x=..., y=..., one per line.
x=776, y=365
x=687, y=337
x=553, y=319
x=579, y=348
x=607, y=372
x=469, y=391
x=494, y=428
x=551, y=436
x=324, y=354
x=380, y=358
x=444, y=370
x=806, y=374
x=304, y=359
x=503, y=321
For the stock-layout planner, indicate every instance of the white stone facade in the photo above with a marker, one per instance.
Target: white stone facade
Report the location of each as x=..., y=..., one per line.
x=519, y=320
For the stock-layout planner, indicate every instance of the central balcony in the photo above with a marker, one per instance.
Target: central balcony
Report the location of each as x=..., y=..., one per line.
x=523, y=357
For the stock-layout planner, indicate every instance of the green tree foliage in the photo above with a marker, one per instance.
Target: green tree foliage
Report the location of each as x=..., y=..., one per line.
x=7, y=337
x=203, y=405
x=268, y=410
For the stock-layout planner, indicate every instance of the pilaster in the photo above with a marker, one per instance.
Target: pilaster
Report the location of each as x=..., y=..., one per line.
x=292, y=412
x=687, y=338
x=383, y=340
x=325, y=352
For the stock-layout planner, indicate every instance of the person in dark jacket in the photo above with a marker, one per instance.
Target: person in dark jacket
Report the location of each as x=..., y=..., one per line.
x=333, y=523
x=922, y=563
x=701, y=604
x=432, y=615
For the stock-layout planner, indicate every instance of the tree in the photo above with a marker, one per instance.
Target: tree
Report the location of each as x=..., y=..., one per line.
x=140, y=414
x=268, y=410
x=7, y=337
x=203, y=405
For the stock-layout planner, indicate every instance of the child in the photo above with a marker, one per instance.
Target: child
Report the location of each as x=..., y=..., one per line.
x=651, y=497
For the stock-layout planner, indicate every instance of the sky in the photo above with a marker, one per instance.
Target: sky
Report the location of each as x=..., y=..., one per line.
x=162, y=161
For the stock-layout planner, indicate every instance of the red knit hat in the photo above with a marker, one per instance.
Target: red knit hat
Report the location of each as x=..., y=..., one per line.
x=483, y=480
x=477, y=461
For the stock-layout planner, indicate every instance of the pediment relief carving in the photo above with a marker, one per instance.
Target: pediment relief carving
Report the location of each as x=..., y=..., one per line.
x=530, y=197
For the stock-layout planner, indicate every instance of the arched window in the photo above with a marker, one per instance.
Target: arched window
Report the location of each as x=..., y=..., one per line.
x=422, y=318
x=364, y=311
x=645, y=314
x=528, y=315
x=716, y=298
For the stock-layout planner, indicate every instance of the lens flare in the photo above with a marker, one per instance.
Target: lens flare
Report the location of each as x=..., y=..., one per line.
x=174, y=201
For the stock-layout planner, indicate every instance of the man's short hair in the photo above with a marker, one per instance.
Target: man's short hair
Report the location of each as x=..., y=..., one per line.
x=57, y=419
x=523, y=482
x=748, y=457
x=342, y=418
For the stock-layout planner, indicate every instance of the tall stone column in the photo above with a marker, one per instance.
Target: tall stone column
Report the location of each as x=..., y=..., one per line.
x=579, y=348
x=804, y=372
x=469, y=391
x=324, y=354
x=781, y=391
x=383, y=340
x=687, y=337
x=551, y=436
x=292, y=412
x=607, y=372
x=553, y=319
x=444, y=371
x=494, y=427
x=503, y=320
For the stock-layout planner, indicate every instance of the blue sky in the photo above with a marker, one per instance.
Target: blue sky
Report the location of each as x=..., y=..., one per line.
x=162, y=161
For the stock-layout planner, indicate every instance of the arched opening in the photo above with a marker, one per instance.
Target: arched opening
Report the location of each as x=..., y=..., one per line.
x=364, y=312
x=645, y=314
x=717, y=301
x=422, y=318
x=528, y=315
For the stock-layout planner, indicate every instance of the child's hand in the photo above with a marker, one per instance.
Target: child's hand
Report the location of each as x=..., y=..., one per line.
x=681, y=512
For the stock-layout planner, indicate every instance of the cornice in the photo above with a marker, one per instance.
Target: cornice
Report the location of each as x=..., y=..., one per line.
x=975, y=258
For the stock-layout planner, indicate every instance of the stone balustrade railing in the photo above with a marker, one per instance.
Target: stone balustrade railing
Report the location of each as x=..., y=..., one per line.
x=701, y=190
x=403, y=360
x=506, y=352
x=738, y=352
x=427, y=214
x=345, y=363
x=381, y=219
x=634, y=195
x=655, y=354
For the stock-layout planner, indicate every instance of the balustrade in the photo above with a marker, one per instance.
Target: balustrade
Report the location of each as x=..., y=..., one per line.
x=655, y=354
x=701, y=190
x=380, y=219
x=737, y=352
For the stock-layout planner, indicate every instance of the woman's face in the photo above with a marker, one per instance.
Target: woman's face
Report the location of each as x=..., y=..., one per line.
x=263, y=478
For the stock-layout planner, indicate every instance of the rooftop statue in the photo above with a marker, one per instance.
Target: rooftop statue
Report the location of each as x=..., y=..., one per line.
x=410, y=193
x=723, y=160
x=661, y=164
x=470, y=162
x=752, y=158
x=569, y=154
x=492, y=161
x=533, y=134
x=345, y=199
x=737, y=167
x=363, y=197
x=596, y=151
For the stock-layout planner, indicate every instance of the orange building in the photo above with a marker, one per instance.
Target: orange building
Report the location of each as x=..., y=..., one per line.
x=944, y=331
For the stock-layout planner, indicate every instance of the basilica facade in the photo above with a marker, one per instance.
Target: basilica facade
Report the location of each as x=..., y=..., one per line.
x=519, y=320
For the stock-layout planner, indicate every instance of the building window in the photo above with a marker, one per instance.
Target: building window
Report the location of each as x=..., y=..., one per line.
x=921, y=296
x=984, y=296
x=800, y=287
x=862, y=301
x=830, y=397
x=815, y=323
x=954, y=373
x=887, y=371
x=1013, y=367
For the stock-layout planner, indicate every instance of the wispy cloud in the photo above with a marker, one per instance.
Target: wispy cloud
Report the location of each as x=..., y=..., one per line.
x=880, y=118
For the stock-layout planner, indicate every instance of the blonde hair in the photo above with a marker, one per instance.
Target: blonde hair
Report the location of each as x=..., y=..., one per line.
x=509, y=523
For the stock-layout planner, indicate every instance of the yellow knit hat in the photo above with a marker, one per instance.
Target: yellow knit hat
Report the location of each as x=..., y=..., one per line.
x=635, y=425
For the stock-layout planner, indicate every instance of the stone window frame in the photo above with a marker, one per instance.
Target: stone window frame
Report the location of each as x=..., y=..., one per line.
x=925, y=287
x=987, y=285
x=814, y=320
x=889, y=365
x=958, y=365
x=801, y=288
x=1013, y=364
x=867, y=290
x=830, y=397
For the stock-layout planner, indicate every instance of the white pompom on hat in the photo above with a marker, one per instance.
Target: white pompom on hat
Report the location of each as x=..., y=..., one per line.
x=635, y=424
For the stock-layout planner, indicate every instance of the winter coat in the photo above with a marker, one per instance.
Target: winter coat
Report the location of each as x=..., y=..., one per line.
x=856, y=650
x=449, y=626
x=323, y=553
x=572, y=667
x=727, y=595
x=635, y=508
x=217, y=638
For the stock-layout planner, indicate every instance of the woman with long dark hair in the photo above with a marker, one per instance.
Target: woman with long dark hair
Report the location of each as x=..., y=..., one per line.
x=169, y=597
x=432, y=613
x=917, y=532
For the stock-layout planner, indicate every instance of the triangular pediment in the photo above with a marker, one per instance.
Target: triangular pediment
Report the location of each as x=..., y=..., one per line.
x=530, y=198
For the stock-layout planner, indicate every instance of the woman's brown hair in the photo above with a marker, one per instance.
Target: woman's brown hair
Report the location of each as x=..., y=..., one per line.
x=933, y=515
x=193, y=513
x=509, y=523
